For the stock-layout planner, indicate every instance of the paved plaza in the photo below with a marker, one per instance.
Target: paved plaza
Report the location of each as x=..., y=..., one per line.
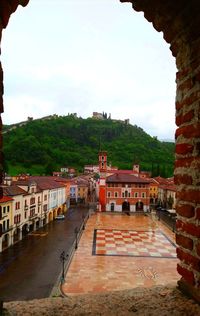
x=118, y=252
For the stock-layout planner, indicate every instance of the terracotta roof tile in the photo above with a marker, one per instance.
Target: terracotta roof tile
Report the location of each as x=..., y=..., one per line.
x=45, y=182
x=120, y=171
x=5, y=199
x=13, y=190
x=125, y=178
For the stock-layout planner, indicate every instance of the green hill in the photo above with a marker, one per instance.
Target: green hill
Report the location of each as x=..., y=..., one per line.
x=41, y=146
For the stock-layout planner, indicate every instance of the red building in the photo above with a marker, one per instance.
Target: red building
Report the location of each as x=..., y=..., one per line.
x=124, y=190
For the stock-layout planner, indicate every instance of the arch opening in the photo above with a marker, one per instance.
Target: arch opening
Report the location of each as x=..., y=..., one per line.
x=183, y=34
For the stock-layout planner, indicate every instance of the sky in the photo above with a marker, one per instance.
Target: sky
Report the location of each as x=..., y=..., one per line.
x=85, y=56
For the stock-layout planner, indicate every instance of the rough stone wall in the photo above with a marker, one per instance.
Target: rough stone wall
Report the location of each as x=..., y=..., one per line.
x=180, y=24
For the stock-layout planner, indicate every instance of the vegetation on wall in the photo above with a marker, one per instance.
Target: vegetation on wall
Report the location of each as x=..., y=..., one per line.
x=41, y=146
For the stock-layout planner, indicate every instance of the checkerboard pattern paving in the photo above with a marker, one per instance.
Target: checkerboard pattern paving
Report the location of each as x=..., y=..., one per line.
x=111, y=242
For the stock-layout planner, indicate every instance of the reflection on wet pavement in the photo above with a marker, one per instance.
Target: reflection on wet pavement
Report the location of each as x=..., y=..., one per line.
x=107, y=263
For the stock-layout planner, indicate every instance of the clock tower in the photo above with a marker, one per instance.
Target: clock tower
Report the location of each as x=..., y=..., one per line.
x=102, y=183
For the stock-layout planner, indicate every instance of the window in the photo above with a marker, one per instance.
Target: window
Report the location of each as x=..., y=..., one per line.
x=45, y=197
x=116, y=194
x=32, y=200
x=122, y=194
x=17, y=219
x=17, y=205
x=4, y=209
x=143, y=194
x=126, y=193
x=135, y=194
x=109, y=194
x=45, y=208
x=32, y=212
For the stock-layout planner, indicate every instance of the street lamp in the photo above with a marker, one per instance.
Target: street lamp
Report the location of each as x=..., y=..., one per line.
x=83, y=218
x=76, y=236
x=63, y=257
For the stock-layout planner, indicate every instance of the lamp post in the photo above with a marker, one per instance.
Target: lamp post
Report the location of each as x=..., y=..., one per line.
x=83, y=218
x=63, y=257
x=76, y=236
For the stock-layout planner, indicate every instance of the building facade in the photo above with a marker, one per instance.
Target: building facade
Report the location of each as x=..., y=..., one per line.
x=126, y=193
x=5, y=222
x=122, y=190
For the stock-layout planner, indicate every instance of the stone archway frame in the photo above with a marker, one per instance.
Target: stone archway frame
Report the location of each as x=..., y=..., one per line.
x=50, y=216
x=112, y=206
x=139, y=206
x=60, y=211
x=179, y=22
x=16, y=233
x=6, y=238
x=127, y=203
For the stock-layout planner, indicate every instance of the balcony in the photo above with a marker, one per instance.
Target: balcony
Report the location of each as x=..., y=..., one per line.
x=18, y=224
x=34, y=216
x=25, y=207
x=6, y=230
x=3, y=216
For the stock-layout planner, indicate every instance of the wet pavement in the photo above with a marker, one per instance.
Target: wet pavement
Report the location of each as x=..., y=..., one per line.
x=30, y=268
x=118, y=252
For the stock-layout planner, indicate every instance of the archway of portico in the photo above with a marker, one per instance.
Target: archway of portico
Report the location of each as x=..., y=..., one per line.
x=179, y=22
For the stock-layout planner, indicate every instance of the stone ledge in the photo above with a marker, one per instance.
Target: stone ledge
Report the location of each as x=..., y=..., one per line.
x=156, y=301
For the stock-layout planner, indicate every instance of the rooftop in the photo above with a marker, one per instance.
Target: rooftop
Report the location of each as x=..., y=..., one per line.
x=13, y=190
x=5, y=199
x=125, y=178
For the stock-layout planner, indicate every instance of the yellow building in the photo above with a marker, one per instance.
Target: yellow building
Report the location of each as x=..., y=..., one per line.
x=82, y=192
x=153, y=191
x=5, y=222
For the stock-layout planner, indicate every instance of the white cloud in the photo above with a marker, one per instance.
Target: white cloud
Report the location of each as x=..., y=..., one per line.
x=88, y=56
